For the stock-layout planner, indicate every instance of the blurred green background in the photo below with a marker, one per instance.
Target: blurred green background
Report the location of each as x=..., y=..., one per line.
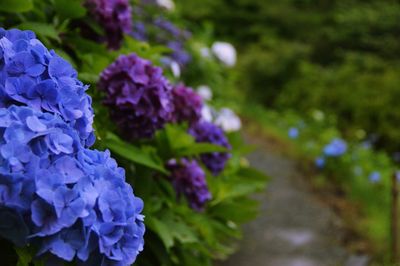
x=338, y=56
x=329, y=69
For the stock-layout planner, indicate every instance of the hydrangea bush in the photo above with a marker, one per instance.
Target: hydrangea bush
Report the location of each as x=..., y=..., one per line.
x=72, y=202
x=64, y=204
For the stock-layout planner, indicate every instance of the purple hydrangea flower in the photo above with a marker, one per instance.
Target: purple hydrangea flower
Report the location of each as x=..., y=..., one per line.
x=335, y=148
x=162, y=31
x=189, y=180
x=33, y=76
x=139, y=31
x=138, y=95
x=208, y=132
x=188, y=104
x=115, y=16
x=179, y=54
x=72, y=201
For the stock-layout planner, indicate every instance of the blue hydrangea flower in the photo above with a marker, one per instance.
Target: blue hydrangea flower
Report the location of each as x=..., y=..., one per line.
x=72, y=201
x=189, y=179
x=208, y=132
x=374, y=177
x=32, y=75
x=335, y=148
x=293, y=133
x=320, y=162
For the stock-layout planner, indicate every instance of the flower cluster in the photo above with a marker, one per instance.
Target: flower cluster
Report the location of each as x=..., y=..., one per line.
x=32, y=75
x=162, y=31
x=208, y=132
x=228, y=120
x=138, y=95
x=115, y=16
x=335, y=148
x=188, y=105
x=72, y=201
x=189, y=180
x=225, y=52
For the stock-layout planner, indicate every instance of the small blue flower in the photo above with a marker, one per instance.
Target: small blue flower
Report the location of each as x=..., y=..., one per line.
x=320, y=162
x=293, y=133
x=374, y=177
x=335, y=148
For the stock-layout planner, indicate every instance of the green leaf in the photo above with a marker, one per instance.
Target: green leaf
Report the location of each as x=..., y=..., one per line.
x=14, y=6
x=24, y=256
x=253, y=174
x=133, y=153
x=41, y=29
x=162, y=230
x=69, y=8
x=180, y=144
x=170, y=227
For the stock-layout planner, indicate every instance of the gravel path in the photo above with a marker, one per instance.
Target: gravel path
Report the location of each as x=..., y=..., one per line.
x=294, y=227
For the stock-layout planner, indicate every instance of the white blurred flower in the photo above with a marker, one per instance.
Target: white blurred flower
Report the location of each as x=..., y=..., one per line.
x=167, y=4
x=205, y=52
x=318, y=115
x=225, y=52
x=205, y=92
x=207, y=113
x=228, y=120
x=176, y=69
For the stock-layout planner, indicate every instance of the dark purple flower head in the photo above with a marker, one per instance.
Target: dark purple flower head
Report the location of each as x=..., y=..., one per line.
x=208, y=132
x=72, y=201
x=138, y=95
x=115, y=16
x=32, y=75
x=189, y=180
x=188, y=104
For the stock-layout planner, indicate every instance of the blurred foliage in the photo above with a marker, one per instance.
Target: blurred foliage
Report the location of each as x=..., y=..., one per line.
x=328, y=68
x=341, y=57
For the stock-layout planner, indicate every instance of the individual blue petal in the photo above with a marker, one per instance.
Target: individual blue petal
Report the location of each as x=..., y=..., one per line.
x=60, y=143
x=34, y=124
